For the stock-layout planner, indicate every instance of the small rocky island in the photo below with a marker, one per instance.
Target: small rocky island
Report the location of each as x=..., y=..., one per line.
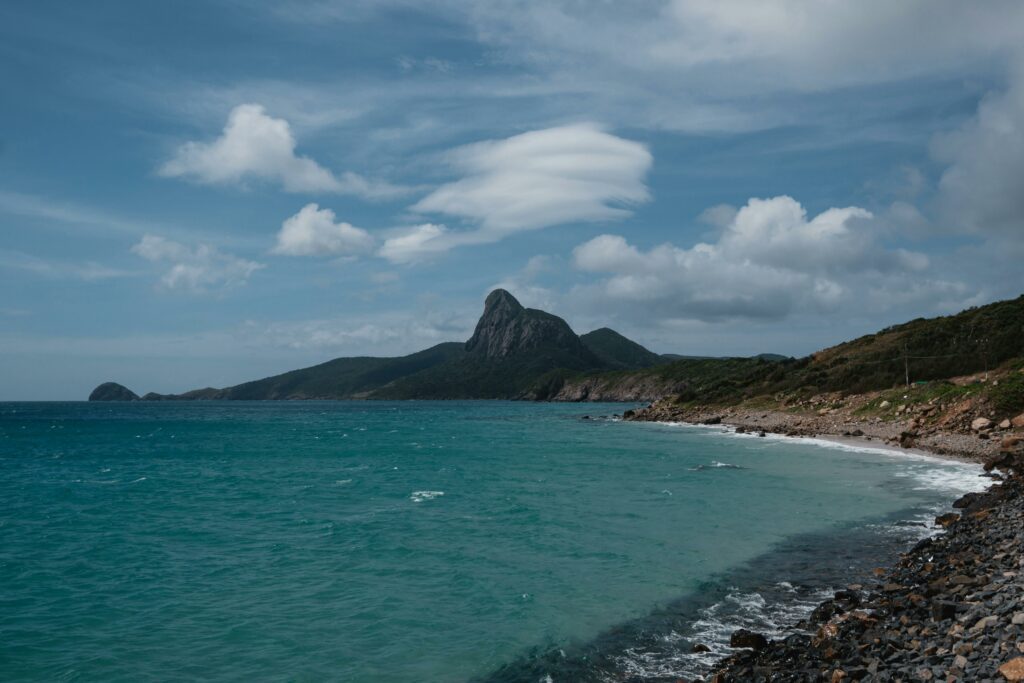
x=112, y=391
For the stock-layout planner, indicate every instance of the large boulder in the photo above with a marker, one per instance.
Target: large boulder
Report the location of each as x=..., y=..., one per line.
x=980, y=423
x=745, y=638
x=112, y=391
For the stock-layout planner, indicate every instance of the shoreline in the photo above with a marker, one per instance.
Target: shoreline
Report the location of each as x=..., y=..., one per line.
x=905, y=436
x=851, y=442
x=950, y=608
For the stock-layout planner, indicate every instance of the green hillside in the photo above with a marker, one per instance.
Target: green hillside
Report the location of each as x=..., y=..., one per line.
x=616, y=351
x=972, y=341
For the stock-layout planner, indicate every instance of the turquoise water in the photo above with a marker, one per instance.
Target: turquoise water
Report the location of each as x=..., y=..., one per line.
x=420, y=541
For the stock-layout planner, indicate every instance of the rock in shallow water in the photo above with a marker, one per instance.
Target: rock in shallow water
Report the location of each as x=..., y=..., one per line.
x=749, y=639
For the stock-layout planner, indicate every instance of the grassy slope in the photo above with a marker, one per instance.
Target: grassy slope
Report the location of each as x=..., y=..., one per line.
x=938, y=348
x=344, y=376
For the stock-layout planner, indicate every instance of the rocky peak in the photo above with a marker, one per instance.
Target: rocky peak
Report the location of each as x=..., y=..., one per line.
x=506, y=328
x=500, y=307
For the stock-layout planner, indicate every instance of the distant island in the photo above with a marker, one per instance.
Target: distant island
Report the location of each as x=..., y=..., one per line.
x=514, y=353
x=528, y=354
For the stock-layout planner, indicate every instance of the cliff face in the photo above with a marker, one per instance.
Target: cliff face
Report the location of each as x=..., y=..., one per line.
x=618, y=387
x=112, y=391
x=507, y=329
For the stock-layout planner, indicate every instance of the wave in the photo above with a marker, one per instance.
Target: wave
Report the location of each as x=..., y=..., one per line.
x=420, y=496
x=717, y=465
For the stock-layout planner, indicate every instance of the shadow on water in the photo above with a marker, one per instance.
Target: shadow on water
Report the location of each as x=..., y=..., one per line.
x=769, y=595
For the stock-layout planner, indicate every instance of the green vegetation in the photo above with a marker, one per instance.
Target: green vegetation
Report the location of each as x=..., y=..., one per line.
x=972, y=341
x=1008, y=395
x=616, y=351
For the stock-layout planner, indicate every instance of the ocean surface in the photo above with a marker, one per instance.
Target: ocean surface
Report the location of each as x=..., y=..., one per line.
x=421, y=541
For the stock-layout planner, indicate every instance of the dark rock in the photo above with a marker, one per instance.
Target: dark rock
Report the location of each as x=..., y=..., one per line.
x=970, y=502
x=700, y=647
x=506, y=329
x=943, y=610
x=712, y=420
x=748, y=639
x=112, y=391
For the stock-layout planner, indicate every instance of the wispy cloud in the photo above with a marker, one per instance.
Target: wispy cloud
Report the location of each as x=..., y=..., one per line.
x=88, y=271
x=195, y=268
x=74, y=218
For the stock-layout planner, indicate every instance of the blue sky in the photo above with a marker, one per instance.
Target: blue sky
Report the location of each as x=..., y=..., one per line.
x=201, y=193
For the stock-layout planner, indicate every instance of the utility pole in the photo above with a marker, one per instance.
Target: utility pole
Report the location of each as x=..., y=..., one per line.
x=906, y=365
x=984, y=355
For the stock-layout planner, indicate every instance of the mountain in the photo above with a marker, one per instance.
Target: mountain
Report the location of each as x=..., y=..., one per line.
x=339, y=378
x=515, y=352
x=618, y=352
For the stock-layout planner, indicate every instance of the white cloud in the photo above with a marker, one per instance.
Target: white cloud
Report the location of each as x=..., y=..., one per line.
x=731, y=46
x=541, y=178
x=417, y=243
x=982, y=189
x=525, y=287
x=314, y=232
x=196, y=269
x=769, y=262
x=257, y=146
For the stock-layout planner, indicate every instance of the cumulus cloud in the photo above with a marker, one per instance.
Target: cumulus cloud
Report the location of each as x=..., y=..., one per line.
x=541, y=178
x=254, y=145
x=195, y=269
x=315, y=232
x=768, y=262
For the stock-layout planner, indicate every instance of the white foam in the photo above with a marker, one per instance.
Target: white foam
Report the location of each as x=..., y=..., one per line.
x=955, y=476
x=714, y=628
x=420, y=496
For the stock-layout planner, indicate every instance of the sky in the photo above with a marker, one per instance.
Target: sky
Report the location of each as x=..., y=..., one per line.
x=202, y=193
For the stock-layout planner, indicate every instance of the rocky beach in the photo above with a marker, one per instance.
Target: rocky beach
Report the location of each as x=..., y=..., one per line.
x=952, y=607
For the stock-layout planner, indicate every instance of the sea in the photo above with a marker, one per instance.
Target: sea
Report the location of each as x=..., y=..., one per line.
x=478, y=541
